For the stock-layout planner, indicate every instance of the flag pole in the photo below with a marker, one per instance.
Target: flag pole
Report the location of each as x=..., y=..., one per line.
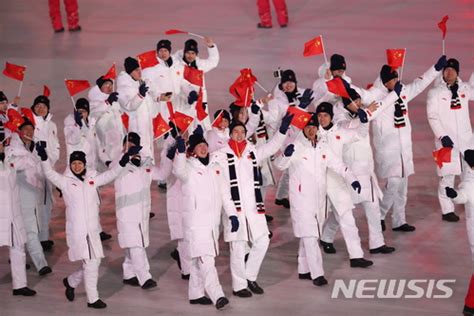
x=19, y=89
x=197, y=35
x=73, y=103
x=261, y=87
x=246, y=96
x=403, y=64
x=444, y=47
x=324, y=50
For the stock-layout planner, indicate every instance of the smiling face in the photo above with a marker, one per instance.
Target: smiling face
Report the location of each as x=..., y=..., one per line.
x=40, y=109
x=27, y=133
x=288, y=86
x=163, y=54
x=450, y=75
x=201, y=150
x=324, y=119
x=77, y=167
x=136, y=74
x=310, y=132
x=238, y=134
x=223, y=124
x=107, y=87
x=190, y=56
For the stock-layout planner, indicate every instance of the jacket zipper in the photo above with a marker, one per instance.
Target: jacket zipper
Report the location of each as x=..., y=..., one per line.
x=89, y=246
x=13, y=243
x=372, y=189
x=45, y=191
x=141, y=234
x=37, y=223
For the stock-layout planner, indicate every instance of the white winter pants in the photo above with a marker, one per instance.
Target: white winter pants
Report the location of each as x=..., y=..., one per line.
x=242, y=271
x=136, y=264
x=470, y=225
x=349, y=231
x=447, y=206
x=34, y=248
x=372, y=214
x=395, y=197
x=17, y=265
x=184, y=256
x=283, y=186
x=90, y=273
x=309, y=257
x=204, y=278
x=45, y=211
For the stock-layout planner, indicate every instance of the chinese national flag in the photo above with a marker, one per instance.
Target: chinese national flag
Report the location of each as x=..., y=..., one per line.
x=76, y=86
x=14, y=71
x=247, y=76
x=337, y=87
x=200, y=110
x=111, y=74
x=300, y=118
x=442, y=155
x=193, y=75
x=147, y=59
x=242, y=88
x=160, y=126
x=182, y=121
x=169, y=105
x=14, y=120
x=174, y=31
x=442, y=25
x=46, y=91
x=125, y=120
x=218, y=119
x=28, y=113
x=395, y=57
x=314, y=47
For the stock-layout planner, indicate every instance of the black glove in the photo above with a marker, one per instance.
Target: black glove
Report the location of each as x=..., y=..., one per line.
x=306, y=99
x=441, y=63
x=198, y=130
x=234, y=221
x=362, y=116
x=451, y=193
x=107, y=163
x=447, y=142
x=113, y=97
x=174, y=130
x=356, y=186
x=143, y=89
x=254, y=108
x=171, y=152
x=180, y=144
x=125, y=159
x=289, y=150
x=398, y=88
x=204, y=106
x=41, y=150
x=132, y=151
x=78, y=118
x=285, y=123
x=192, y=97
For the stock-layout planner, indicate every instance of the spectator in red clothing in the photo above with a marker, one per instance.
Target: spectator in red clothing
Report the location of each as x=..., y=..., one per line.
x=72, y=15
x=266, y=16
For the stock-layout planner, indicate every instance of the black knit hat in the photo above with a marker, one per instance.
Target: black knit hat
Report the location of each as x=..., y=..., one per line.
x=77, y=155
x=234, y=124
x=133, y=138
x=164, y=43
x=354, y=96
x=337, y=62
x=191, y=45
x=131, y=64
x=3, y=97
x=82, y=103
x=325, y=107
x=225, y=114
x=453, y=63
x=313, y=121
x=469, y=157
x=194, y=140
x=288, y=75
x=100, y=81
x=26, y=122
x=40, y=99
x=387, y=74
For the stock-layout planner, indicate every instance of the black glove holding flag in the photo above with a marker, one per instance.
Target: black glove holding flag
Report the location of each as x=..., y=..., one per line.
x=192, y=97
x=398, y=88
x=254, y=108
x=441, y=63
x=113, y=97
x=306, y=98
x=447, y=142
x=362, y=116
x=285, y=123
x=180, y=144
x=289, y=150
x=143, y=89
x=171, y=152
x=41, y=150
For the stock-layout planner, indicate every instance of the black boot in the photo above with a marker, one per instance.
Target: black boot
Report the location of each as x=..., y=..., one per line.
x=328, y=247
x=44, y=270
x=242, y=293
x=201, y=301
x=382, y=249
x=132, y=281
x=149, y=284
x=320, y=281
x=304, y=276
x=254, y=287
x=104, y=236
x=221, y=302
x=184, y=276
x=360, y=263
x=69, y=290
x=24, y=291
x=175, y=255
x=152, y=215
x=283, y=202
x=47, y=245
x=468, y=311
x=450, y=217
x=382, y=222
x=268, y=218
x=261, y=26
x=404, y=228
x=97, y=304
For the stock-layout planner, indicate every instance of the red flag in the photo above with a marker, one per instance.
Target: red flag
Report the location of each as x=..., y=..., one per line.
x=242, y=88
x=174, y=31
x=46, y=91
x=111, y=74
x=314, y=47
x=148, y=59
x=28, y=113
x=14, y=120
x=182, y=121
x=247, y=76
x=442, y=155
x=160, y=126
x=337, y=87
x=395, y=57
x=442, y=25
x=218, y=119
x=193, y=75
x=300, y=118
x=200, y=110
x=125, y=120
x=76, y=86
x=169, y=105
x=14, y=71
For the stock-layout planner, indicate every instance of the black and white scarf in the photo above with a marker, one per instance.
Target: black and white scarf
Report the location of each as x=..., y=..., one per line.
x=262, y=128
x=455, y=102
x=234, y=185
x=399, y=113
